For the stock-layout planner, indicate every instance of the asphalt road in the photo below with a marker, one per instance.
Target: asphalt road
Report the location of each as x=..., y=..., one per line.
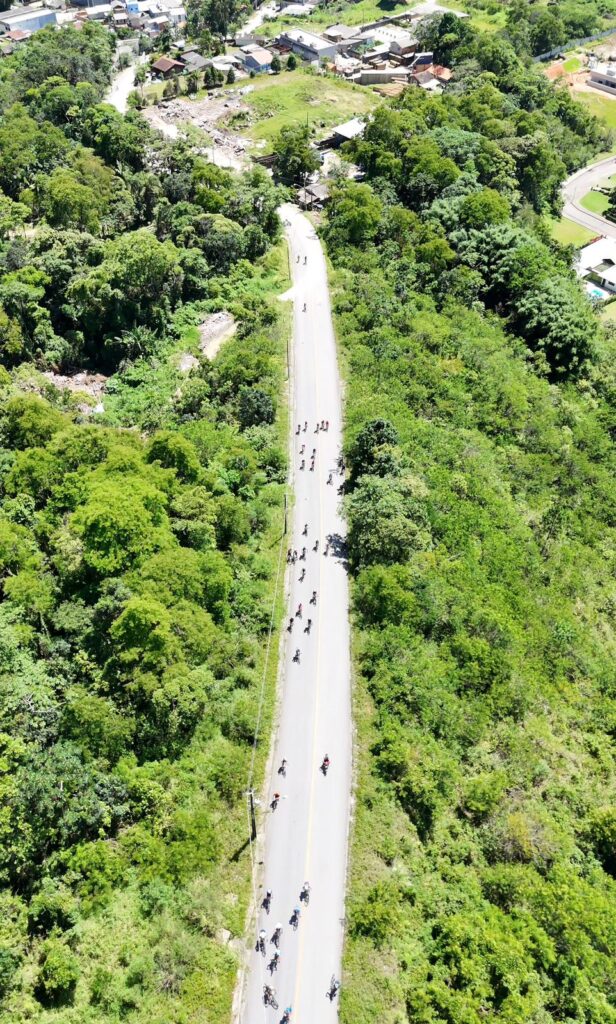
x=306, y=836
x=576, y=187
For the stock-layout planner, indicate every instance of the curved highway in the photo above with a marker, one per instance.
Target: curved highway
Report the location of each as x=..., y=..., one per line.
x=576, y=187
x=306, y=834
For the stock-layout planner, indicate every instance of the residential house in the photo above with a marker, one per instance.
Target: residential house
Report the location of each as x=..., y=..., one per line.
x=603, y=76
x=224, y=61
x=195, y=61
x=313, y=197
x=421, y=60
x=381, y=76
x=397, y=40
x=425, y=73
x=97, y=12
x=307, y=45
x=347, y=131
x=177, y=16
x=424, y=78
x=596, y=265
x=166, y=67
x=256, y=58
x=155, y=25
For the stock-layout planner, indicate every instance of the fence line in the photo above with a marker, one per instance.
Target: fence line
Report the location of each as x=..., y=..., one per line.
x=572, y=43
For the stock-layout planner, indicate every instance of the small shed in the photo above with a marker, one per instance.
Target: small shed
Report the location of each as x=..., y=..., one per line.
x=313, y=197
x=347, y=131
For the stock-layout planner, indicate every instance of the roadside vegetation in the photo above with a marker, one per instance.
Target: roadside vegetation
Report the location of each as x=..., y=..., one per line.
x=480, y=504
x=139, y=548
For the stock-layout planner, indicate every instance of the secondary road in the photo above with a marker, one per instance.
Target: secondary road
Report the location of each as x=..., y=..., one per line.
x=122, y=84
x=266, y=10
x=306, y=835
x=576, y=187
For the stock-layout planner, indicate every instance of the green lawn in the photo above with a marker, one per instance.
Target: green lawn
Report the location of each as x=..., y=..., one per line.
x=360, y=13
x=296, y=97
x=568, y=233
x=572, y=64
x=596, y=202
x=601, y=105
x=365, y=11
x=607, y=314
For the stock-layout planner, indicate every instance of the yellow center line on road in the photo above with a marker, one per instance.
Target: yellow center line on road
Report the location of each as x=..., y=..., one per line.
x=307, y=861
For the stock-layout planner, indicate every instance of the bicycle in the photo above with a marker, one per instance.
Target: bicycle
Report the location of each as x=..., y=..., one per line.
x=334, y=986
x=269, y=997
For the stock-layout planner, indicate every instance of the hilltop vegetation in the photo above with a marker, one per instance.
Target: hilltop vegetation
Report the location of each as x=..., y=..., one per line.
x=541, y=27
x=137, y=550
x=482, y=545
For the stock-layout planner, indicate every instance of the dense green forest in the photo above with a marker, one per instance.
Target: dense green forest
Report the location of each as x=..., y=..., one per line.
x=481, y=410
x=138, y=549
x=540, y=27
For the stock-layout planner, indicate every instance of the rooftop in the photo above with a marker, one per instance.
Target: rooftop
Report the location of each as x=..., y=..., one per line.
x=164, y=64
x=258, y=53
x=304, y=38
x=608, y=70
x=350, y=129
x=601, y=252
x=15, y=17
x=340, y=32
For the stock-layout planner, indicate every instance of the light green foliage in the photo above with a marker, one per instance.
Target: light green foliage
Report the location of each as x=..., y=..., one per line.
x=479, y=498
x=138, y=548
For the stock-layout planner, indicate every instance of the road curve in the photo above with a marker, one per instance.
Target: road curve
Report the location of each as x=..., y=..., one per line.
x=306, y=836
x=576, y=187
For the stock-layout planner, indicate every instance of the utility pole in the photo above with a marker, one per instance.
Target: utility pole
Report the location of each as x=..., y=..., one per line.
x=253, y=819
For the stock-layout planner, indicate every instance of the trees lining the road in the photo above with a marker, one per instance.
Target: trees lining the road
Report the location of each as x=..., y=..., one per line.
x=480, y=405
x=137, y=548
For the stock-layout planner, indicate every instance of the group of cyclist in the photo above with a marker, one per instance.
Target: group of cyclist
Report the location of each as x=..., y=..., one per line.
x=269, y=993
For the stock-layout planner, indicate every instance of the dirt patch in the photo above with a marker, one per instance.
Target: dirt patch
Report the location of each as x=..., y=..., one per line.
x=92, y=384
x=226, y=150
x=556, y=72
x=214, y=331
x=605, y=50
x=187, y=362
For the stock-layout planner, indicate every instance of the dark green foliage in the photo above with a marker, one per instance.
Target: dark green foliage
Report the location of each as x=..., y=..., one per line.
x=295, y=157
x=450, y=182
x=141, y=225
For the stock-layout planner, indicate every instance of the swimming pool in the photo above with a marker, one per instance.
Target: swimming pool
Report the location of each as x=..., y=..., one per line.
x=596, y=293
